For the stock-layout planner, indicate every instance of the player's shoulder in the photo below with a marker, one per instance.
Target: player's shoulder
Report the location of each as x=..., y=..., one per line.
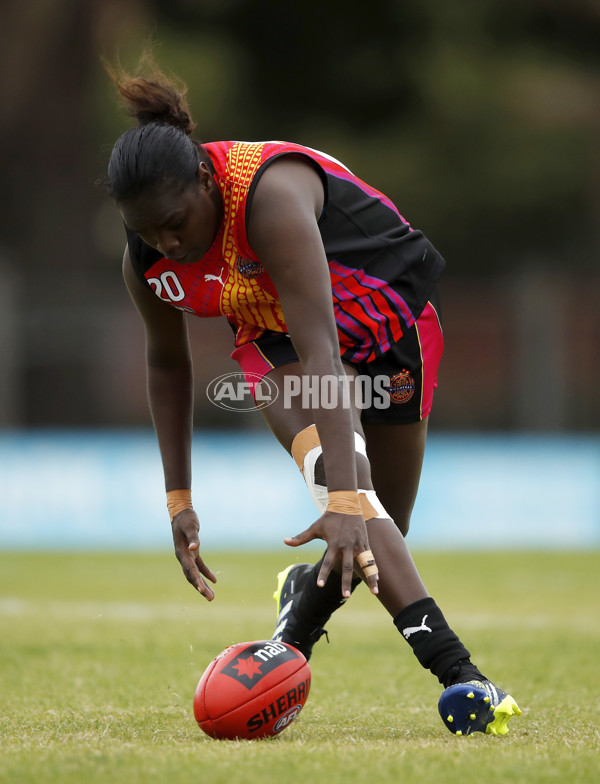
x=289, y=182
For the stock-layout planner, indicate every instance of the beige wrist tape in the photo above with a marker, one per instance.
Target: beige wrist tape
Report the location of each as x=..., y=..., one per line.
x=350, y=502
x=178, y=500
x=344, y=502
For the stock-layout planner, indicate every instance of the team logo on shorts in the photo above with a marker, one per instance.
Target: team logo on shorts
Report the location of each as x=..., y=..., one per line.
x=402, y=387
x=247, y=268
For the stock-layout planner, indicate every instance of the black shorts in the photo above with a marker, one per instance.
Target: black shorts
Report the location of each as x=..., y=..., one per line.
x=411, y=365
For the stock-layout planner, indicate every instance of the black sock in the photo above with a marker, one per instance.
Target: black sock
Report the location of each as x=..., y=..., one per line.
x=423, y=626
x=317, y=605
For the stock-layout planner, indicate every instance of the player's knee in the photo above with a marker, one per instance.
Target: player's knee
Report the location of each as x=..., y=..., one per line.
x=363, y=471
x=319, y=472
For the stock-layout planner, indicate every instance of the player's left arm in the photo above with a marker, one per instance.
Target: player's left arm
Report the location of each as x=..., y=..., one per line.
x=283, y=231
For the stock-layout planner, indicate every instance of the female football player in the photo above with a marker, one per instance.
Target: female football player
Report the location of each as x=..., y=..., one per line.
x=325, y=284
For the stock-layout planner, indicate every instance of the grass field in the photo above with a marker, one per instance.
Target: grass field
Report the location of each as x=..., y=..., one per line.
x=100, y=655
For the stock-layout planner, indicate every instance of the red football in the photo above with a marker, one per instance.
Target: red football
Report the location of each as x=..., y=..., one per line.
x=252, y=690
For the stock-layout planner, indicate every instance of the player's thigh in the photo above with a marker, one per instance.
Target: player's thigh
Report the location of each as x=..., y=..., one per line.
x=286, y=416
x=289, y=414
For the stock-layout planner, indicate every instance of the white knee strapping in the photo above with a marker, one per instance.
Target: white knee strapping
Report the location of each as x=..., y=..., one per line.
x=319, y=493
x=360, y=445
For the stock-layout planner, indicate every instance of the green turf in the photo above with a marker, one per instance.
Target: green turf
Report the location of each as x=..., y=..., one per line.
x=100, y=655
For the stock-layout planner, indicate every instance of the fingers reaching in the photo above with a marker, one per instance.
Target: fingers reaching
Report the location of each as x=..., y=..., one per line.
x=347, y=542
x=187, y=549
x=347, y=562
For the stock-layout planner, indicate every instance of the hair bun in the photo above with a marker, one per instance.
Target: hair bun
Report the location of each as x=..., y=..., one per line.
x=150, y=101
x=153, y=97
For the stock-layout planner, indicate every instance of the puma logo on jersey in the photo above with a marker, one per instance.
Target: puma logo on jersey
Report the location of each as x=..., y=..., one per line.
x=215, y=277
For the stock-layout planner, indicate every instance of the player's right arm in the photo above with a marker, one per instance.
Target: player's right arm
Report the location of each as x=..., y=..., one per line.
x=170, y=394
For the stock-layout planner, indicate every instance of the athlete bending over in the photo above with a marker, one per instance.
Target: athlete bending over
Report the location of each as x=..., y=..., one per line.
x=320, y=277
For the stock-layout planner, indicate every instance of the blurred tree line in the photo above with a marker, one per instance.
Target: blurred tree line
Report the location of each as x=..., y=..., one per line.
x=480, y=119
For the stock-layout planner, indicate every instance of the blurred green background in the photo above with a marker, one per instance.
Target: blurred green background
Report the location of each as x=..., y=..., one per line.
x=480, y=119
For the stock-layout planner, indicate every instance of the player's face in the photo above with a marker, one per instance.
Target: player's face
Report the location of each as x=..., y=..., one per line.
x=180, y=220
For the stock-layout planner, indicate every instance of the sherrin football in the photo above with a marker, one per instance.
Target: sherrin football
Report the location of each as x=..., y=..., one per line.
x=252, y=690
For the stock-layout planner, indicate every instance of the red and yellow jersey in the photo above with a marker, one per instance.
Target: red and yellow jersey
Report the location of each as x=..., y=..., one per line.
x=382, y=271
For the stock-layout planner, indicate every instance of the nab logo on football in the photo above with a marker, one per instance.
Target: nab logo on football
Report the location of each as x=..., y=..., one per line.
x=258, y=661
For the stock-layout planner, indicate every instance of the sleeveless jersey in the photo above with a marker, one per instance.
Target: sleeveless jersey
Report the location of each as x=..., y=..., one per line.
x=382, y=270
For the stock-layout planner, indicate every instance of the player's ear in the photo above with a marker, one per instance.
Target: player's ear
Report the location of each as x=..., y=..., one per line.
x=204, y=175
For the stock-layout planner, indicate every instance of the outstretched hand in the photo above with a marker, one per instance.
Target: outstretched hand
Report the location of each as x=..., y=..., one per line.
x=185, y=527
x=346, y=537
